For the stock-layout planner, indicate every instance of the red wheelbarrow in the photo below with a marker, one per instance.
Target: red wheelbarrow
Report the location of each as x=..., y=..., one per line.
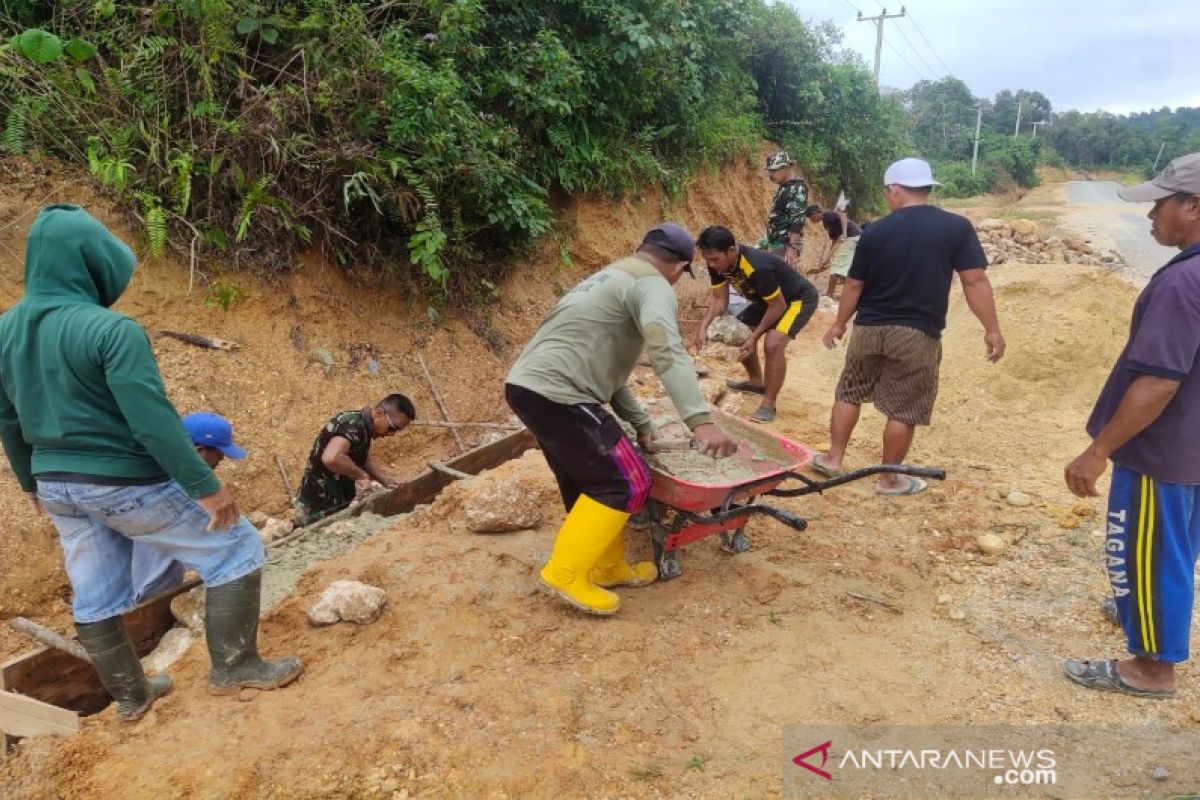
x=682, y=510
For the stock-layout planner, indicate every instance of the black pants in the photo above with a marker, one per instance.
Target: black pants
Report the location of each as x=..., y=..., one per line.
x=795, y=316
x=586, y=449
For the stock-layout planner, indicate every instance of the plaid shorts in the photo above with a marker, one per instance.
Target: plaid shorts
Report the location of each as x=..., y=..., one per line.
x=894, y=366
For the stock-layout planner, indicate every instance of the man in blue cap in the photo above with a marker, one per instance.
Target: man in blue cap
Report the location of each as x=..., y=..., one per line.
x=95, y=443
x=154, y=572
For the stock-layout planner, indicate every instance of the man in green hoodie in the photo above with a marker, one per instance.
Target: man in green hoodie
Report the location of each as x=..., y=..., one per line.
x=94, y=441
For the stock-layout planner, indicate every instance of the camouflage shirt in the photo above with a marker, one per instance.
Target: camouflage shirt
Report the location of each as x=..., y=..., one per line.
x=323, y=491
x=787, y=211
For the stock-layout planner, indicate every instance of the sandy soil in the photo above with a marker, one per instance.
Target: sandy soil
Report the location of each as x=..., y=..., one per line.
x=474, y=685
x=276, y=392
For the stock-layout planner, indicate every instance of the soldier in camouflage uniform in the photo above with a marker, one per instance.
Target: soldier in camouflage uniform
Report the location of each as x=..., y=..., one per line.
x=340, y=466
x=785, y=225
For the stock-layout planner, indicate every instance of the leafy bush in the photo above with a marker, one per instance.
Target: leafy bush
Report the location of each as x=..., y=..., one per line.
x=423, y=138
x=957, y=180
x=1015, y=158
x=824, y=106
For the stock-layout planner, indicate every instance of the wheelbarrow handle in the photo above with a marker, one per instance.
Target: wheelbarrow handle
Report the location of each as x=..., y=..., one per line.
x=721, y=516
x=816, y=487
x=793, y=521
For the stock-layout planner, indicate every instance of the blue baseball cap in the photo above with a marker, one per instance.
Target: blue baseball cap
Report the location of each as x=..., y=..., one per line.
x=212, y=430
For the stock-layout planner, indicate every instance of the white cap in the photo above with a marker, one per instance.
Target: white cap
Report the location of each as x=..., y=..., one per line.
x=910, y=172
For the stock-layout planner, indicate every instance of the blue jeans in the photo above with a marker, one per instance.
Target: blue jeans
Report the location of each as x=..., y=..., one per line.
x=154, y=572
x=98, y=526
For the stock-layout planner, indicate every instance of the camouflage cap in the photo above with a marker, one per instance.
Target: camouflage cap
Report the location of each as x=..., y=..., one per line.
x=779, y=161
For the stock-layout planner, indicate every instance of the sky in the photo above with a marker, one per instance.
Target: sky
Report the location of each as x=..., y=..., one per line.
x=1102, y=54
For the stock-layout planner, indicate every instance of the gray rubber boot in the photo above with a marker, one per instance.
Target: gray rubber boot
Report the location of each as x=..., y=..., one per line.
x=117, y=664
x=231, y=627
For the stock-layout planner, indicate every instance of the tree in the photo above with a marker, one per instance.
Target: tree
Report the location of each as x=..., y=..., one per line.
x=1035, y=107
x=941, y=118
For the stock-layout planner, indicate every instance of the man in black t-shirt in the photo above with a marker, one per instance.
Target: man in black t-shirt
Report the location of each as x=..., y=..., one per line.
x=899, y=284
x=781, y=304
x=843, y=235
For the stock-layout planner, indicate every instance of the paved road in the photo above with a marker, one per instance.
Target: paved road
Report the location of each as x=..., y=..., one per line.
x=1125, y=223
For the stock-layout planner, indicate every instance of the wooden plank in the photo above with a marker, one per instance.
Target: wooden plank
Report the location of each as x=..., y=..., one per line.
x=426, y=485
x=43, y=635
x=55, y=677
x=24, y=716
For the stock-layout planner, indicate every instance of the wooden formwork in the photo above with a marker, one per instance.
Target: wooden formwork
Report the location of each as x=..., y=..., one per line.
x=61, y=680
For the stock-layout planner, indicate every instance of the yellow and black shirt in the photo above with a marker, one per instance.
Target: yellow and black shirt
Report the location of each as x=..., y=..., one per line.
x=759, y=276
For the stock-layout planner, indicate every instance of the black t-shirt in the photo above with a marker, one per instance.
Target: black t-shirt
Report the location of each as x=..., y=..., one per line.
x=907, y=261
x=759, y=276
x=833, y=225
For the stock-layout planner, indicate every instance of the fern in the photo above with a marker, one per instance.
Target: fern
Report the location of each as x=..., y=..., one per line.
x=250, y=202
x=156, y=223
x=152, y=47
x=426, y=245
x=15, y=128
x=181, y=189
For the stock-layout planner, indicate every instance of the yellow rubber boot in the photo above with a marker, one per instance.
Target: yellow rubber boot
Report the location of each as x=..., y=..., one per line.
x=585, y=535
x=613, y=570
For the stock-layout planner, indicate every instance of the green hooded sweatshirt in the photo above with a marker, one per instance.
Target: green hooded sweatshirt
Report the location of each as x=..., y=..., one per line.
x=79, y=387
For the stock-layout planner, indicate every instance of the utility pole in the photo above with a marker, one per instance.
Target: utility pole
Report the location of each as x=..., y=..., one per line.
x=1017, y=127
x=1035, y=127
x=978, y=122
x=1157, y=157
x=878, y=20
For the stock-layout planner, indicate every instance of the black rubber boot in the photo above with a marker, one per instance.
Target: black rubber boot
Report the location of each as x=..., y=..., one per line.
x=117, y=664
x=231, y=627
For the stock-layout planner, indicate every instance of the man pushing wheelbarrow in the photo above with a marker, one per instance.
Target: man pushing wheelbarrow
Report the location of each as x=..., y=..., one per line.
x=578, y=361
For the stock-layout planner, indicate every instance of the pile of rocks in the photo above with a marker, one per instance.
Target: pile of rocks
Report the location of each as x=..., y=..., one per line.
x=1020, y=240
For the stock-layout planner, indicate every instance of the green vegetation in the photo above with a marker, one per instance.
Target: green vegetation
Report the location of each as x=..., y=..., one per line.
x=423, y=138
x=941, y=118
x=941, y=126
x=1106, y=141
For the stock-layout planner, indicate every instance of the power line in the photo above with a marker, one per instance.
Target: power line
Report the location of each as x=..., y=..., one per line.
x=916, y=52
x=900, y=56
x=932, y=49
x=856, y=8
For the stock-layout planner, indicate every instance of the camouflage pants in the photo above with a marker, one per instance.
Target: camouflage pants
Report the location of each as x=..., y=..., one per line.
x=304, y=515
x=777, y=247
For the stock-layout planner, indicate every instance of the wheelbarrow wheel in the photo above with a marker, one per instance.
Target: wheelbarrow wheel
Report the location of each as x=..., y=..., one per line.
x=736, y=542
x=668, y=566
x=665, y=560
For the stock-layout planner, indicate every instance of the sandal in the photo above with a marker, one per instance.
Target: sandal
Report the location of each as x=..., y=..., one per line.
x=1108, y=607
x=911, y=486
x=763, y=415
x=746, y=386
x=821, y=469
x=1103, y=675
